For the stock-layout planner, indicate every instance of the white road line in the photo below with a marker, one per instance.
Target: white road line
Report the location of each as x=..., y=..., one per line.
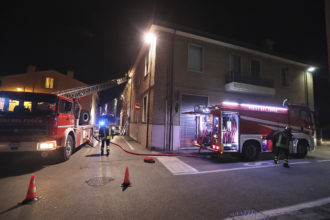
x=233, y=169
x=283, y=210
x=320, y=161
x=176, y=166
x=130, y=146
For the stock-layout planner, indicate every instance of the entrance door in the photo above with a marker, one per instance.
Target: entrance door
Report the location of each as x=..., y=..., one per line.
x=188, y=122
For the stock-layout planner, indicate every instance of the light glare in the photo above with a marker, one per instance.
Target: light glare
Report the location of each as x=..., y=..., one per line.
x=149, y=38
x=311, y=69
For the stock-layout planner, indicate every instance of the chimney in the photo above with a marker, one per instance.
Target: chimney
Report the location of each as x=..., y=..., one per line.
x=70, y=73
x=31, y=69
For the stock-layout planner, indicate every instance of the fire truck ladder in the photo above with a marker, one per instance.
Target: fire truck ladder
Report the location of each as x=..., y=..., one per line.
x=87, y=90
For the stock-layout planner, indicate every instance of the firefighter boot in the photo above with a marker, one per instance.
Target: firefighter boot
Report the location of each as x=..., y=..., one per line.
x=286, y=163
x=108, y=151
x=102, y=153
x=275, y=160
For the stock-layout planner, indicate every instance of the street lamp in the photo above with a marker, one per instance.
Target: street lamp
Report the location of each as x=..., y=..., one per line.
x=311, y=69
x=150, y=37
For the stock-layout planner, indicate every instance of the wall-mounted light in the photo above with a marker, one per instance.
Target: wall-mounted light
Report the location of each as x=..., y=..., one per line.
x=311, y=69
x=19, y=89
x=150, y=37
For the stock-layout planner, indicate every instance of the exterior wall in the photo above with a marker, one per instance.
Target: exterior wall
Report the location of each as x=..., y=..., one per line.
x=170, y=70
x=142, y=86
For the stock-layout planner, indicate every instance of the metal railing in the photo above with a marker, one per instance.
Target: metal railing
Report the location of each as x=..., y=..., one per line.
x=244, y=78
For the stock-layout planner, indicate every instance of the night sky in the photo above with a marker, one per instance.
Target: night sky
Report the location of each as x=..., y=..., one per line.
x=100, y=39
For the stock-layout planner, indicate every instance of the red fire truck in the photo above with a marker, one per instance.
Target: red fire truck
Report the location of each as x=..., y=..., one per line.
x=46, y=122
x=242, y=128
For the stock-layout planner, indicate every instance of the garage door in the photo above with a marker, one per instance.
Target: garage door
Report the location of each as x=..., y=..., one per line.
x=187, y=122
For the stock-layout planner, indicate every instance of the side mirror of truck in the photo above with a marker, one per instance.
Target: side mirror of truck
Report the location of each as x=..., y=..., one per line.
x=68, y=106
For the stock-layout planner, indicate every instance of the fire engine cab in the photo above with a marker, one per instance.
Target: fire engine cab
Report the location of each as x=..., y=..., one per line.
x=46, y=123
x=242, y=128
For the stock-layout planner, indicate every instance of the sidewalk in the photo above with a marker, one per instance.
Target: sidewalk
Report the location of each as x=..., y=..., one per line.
x=320, y=150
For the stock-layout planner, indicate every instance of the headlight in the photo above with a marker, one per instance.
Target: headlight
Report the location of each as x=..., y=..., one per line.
x=49, y=145
x=113, y=127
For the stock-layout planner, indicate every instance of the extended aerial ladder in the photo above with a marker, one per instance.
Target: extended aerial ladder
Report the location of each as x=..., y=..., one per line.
x=82, y=91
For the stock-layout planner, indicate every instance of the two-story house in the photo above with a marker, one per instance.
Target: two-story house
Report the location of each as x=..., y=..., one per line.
x=47, y=81
x=176, y=70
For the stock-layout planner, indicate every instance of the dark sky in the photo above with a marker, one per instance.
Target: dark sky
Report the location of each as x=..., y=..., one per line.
x=100, y=39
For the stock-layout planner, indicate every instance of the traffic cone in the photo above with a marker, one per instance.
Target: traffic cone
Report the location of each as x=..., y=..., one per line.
x=126, y=182
x=32, y=191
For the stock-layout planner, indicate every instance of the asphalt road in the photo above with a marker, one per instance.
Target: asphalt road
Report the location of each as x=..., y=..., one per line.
x=88, y=186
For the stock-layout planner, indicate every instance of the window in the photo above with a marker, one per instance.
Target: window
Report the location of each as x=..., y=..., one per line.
x=64, y=106
x=147, y=64
x=195, y=58
x=49, y=83
x=304, y=116
x=145, y=109
x=285, y=77
x=255, y=69
x=235, y=64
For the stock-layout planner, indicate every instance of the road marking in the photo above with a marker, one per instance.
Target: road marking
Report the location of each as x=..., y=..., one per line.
x=283, y=210
x=233, y=169
x=320, y=161
x=176, y=166
x=130, y=146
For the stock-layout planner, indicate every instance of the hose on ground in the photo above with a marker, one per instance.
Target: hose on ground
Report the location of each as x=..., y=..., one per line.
x=155, y=154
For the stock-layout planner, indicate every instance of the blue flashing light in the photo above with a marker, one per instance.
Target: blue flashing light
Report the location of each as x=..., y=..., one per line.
x=102, y=123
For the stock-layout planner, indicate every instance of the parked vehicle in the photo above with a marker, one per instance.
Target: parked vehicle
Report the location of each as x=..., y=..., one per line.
x=242, y=128
x=42, y=122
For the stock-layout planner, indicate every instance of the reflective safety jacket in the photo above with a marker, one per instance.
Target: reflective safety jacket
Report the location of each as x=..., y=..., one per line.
x=105, y=133
x=283, y=139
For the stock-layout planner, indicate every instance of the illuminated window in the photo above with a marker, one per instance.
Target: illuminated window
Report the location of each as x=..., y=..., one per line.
x=12, y=105
x=28, y=105
x=2, y=104
x=49, y=83
x=195, y=58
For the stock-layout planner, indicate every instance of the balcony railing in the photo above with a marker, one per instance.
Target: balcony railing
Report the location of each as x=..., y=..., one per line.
x=242, y=78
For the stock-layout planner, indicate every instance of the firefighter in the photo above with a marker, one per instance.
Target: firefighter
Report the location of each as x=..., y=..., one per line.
x=282, y=140
x=105, y=136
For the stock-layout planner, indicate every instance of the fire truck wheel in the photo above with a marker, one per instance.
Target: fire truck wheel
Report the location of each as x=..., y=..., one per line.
x=66, y=151
x=301, y=149
x=250, y=151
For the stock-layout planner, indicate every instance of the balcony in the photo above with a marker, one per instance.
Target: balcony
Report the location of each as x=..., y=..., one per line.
x=241, y=83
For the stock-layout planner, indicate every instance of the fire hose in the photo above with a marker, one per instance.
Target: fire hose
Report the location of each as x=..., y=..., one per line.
x=154, y=154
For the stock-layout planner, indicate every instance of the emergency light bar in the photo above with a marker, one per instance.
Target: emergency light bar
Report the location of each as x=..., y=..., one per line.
x=253, y=107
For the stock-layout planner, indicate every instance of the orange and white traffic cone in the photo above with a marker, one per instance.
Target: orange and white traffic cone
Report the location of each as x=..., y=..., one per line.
x=126, y=182
x=32, y=191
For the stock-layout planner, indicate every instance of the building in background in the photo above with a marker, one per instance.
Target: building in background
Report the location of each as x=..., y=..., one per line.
x=178, y=69
x=47, y=81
